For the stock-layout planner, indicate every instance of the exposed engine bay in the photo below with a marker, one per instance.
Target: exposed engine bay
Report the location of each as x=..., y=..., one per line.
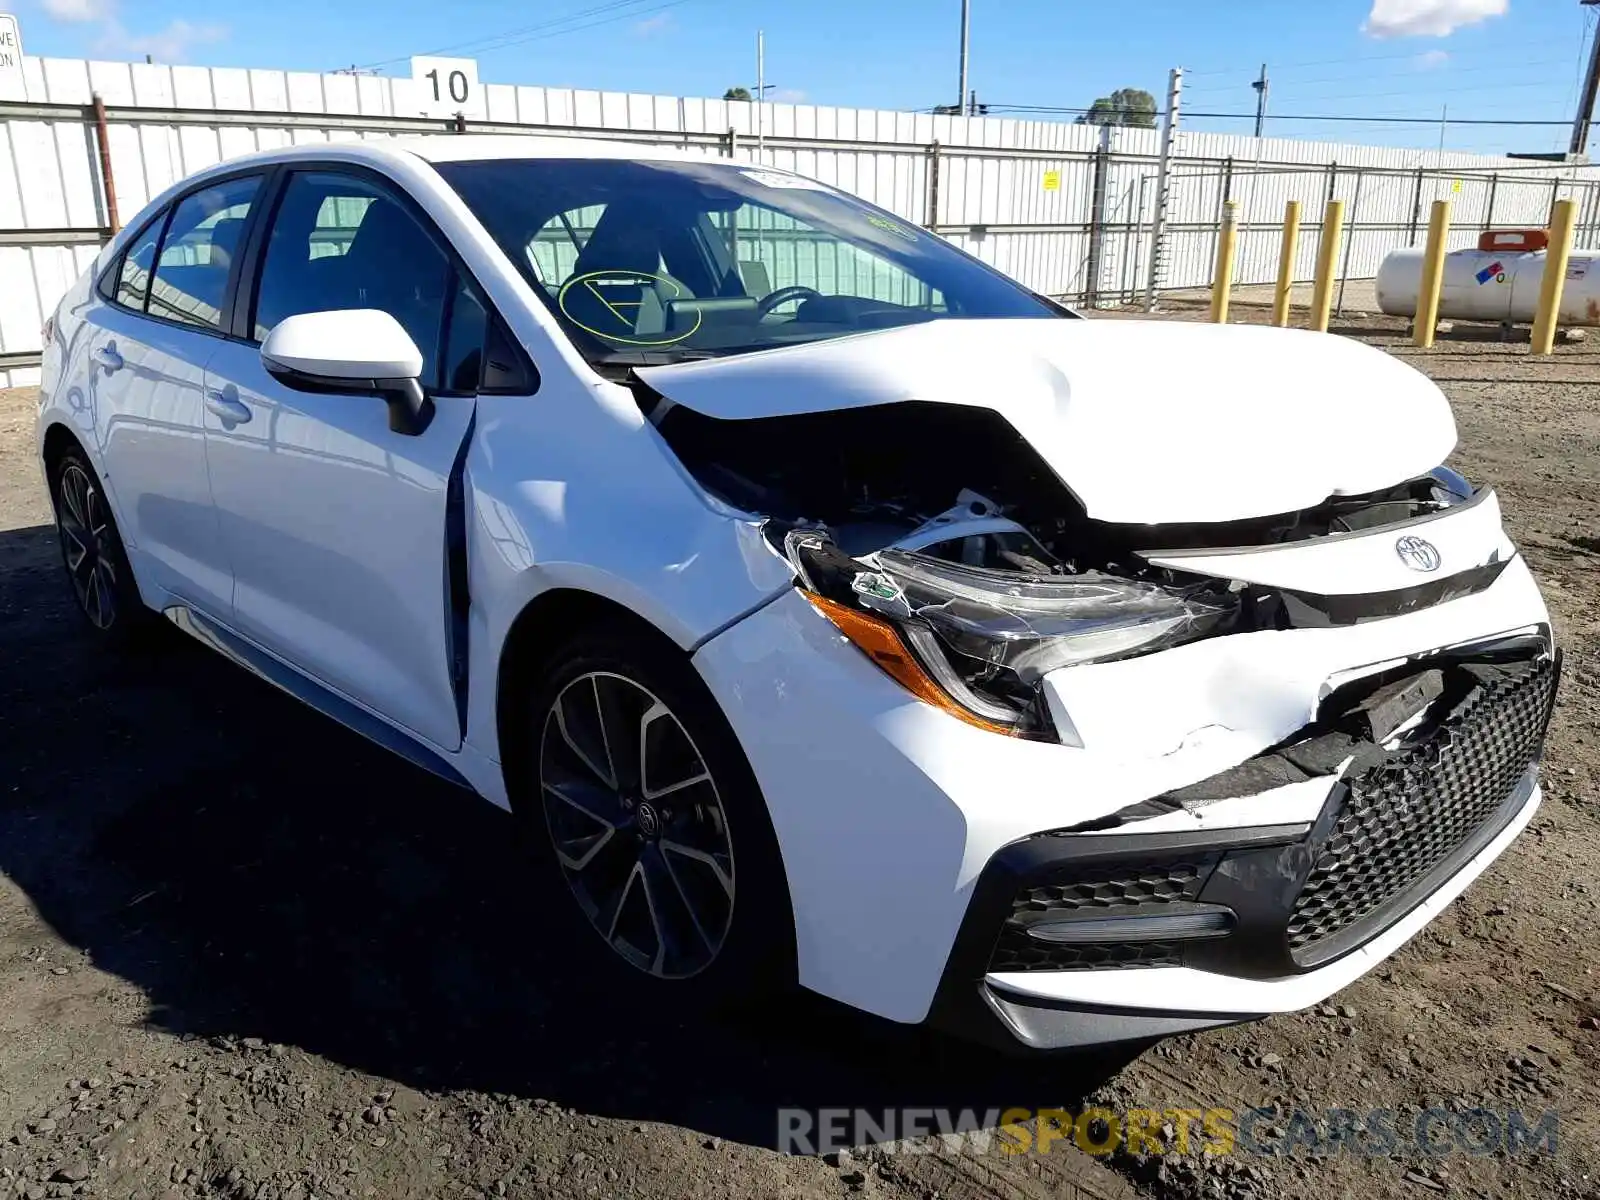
x=943, y=525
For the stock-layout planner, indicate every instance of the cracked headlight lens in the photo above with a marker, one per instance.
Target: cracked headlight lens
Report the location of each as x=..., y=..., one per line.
x=989, y=636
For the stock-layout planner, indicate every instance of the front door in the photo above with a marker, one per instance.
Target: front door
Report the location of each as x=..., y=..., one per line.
x=335, y=525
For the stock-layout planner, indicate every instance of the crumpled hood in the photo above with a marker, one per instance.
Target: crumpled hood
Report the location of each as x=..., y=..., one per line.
x=1145, y=421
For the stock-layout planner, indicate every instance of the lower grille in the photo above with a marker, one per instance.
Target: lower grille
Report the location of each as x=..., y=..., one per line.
x=1412, y=811
x=1125, y=889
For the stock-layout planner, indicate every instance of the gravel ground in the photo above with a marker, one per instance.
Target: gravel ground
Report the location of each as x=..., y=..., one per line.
x=244, y=954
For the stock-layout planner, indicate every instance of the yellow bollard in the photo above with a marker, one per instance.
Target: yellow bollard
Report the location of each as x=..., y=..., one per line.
x=1286, y=255
x=1222, y=279
x=1327, y=265
x=1432, y=282
x=1555, y=276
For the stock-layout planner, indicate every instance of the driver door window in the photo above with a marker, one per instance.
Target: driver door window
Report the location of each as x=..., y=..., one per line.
x=341, y=242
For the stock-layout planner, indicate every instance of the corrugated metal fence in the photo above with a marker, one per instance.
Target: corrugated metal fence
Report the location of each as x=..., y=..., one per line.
x=1066, y=209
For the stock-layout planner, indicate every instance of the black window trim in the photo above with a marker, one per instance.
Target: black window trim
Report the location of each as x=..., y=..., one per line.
x=235, y=270
x=110, y=281
x=247, y=284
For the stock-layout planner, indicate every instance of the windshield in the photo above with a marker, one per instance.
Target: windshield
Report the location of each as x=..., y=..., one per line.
x=655, y=261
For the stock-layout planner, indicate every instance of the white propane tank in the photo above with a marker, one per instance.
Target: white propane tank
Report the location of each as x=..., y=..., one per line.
x=1489, y=285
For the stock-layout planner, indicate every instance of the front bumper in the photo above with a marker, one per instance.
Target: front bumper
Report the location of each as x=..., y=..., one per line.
x=899, y=824
x=1053, y=1010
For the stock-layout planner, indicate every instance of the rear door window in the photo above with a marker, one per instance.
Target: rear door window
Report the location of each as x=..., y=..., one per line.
x=197, y=253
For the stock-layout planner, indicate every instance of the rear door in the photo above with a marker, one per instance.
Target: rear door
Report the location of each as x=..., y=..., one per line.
x=336, y=526
x=158, y=322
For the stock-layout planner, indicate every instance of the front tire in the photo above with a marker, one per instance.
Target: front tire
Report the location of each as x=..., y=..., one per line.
x=649, y=817
x=92, y=551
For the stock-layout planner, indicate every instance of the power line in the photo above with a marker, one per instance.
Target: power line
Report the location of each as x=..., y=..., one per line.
x=619, y=10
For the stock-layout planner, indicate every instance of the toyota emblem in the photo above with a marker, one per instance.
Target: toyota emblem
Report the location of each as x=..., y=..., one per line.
x=1417, y=553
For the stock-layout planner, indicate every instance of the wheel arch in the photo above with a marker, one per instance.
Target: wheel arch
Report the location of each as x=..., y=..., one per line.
x=57, y=439
x=545, y=622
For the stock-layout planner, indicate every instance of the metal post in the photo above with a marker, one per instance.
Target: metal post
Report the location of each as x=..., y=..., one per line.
x=1327, y=256
x=1422, y=325
x=1416, y=209
x=1222, y=276
x=1555, y=198
x=102, y=137
x=1591, y=84
x=966, y=37
x=1349, y=243
x=761, y=97
x=1488, y=211
x=1097, y=217
x=1555, y=277
x=1286, y=257
x=733, y=142
x=1169, y=131
x=1261, y=86
x=934, y=162
x=1137, y=234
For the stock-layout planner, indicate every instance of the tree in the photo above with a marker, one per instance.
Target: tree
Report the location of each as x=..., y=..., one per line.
x=1125, y=106
x=736, y=93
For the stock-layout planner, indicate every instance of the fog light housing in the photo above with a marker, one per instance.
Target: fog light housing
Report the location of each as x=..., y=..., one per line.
x=1199, y=923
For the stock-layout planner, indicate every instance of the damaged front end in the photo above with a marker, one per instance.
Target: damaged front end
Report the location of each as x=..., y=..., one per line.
x=940, y=544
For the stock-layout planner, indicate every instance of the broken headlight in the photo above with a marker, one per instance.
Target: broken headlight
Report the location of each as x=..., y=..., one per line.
x=987, y=637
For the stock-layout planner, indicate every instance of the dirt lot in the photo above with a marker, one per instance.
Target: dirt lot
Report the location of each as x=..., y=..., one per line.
x=244, y=954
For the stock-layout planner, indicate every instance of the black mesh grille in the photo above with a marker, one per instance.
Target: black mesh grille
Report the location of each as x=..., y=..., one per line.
x=1407, y=814
x=1112, y=890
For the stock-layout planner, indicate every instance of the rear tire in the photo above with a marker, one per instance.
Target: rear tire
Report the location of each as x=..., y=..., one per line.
x=93, y=554
x=646, y=814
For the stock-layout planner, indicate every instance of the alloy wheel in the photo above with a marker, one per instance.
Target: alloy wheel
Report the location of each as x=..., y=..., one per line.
x=87, y=543
x=637, y=824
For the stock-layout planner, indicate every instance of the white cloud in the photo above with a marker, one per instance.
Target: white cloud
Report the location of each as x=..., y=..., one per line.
x=651, y=26
x=1428, y=18
x=169, y=45
x=79, y=11
x=1431, y=60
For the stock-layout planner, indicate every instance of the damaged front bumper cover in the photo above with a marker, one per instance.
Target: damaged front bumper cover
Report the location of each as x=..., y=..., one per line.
x=1070, y=933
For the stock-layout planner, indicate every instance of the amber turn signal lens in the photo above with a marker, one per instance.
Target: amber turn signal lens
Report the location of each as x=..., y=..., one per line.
x=881, y=642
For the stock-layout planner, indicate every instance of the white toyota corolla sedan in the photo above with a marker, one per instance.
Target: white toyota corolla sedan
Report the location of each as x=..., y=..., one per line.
x=832, y=608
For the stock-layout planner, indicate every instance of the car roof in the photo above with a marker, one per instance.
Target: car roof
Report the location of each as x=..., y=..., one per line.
x=468, y=147
x=451, y=147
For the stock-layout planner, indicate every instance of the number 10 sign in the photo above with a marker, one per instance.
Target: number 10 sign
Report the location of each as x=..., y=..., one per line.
x=444, y=87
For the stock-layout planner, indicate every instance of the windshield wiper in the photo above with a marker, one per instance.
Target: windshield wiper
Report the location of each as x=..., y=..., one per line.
x=652, y=357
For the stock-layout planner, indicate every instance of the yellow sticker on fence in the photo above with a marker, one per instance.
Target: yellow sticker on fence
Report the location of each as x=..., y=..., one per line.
x=1052, y=181
x=1455, y=185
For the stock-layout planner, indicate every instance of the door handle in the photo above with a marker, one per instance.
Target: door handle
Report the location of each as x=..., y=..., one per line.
x=227, y=405
x=108, y=357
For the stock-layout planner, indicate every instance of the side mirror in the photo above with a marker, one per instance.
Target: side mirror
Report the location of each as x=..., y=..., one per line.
x=355, y=351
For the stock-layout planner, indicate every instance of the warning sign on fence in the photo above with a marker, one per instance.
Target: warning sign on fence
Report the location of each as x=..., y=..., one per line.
x=1052, y=181
x=11, y=85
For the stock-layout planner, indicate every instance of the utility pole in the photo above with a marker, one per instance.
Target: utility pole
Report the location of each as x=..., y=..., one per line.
x=966, y=37
x=1169, y=132
x=1591, y=84
x=761, y=96
x=1260, y=86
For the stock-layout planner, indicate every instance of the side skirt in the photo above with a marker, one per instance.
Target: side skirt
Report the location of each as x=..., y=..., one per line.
x=263, y=665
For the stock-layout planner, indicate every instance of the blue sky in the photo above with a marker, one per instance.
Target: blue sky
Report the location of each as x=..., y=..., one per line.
x=1487, y=59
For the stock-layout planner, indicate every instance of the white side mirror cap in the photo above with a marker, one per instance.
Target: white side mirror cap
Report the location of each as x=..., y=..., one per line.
x=352, y=343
